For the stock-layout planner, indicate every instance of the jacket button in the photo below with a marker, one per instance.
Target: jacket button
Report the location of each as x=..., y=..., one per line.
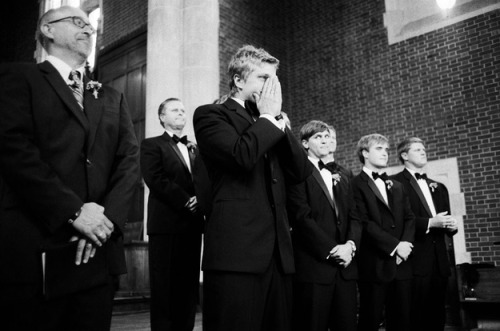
x=275, y=180
x=87, y=161
x=393, y=226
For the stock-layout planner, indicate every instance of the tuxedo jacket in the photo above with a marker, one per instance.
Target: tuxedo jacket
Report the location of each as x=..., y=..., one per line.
x=429, y=248
x=53, y=159
x=248, y=164
x=171, y=184
x=384, y=226
x=320, y=223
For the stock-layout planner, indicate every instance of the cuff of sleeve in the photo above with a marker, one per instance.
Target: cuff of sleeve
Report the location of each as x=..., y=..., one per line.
x=394, y=251
x=279, y=124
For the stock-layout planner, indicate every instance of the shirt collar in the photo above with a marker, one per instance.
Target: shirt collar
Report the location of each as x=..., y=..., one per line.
x=412, y=172
x=314, y=161
x=368, y=172
x=62, y=67
x=241, y=102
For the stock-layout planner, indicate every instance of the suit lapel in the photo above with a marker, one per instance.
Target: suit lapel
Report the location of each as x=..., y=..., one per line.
x=317, y=176
x=176, y=149
x=241, y=111
x=94, y=110
x=64, y=92
x=416, y=187
x=375, y=189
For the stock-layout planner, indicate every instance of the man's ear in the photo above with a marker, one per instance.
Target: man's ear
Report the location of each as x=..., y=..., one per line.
x=404, y=156
x=365, y=153
x=47, y=31
x=305, y=144
x=238, y=81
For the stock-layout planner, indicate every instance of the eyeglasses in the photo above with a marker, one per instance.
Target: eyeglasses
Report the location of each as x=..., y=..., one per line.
x=76, y=20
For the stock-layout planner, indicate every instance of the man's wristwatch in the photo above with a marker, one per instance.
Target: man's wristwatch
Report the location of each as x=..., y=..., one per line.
x=75, y=216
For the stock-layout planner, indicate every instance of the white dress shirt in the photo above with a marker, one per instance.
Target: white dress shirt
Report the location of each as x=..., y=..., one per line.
x=422, y=183
x=63, y=68
x=380, y=184
x=184, y=150
x=325, y=174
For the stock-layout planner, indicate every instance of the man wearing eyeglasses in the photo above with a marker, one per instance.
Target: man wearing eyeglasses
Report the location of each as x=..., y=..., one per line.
x=68, y=169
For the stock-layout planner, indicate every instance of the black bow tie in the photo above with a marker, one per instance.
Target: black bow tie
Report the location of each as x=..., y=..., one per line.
x=382, y=176
x=322, y=166
x=332, y=166
x=182, y=139
x=420, y=176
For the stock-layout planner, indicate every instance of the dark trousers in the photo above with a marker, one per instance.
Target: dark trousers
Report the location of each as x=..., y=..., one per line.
x=174, y=269
x=322, y=307
x=22, y=307
x=428, y=302
x=247, y=302
x=395, y=296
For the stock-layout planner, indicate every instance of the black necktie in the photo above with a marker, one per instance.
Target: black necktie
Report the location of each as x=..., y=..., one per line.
x=182, y=139
x=420, y=176
x=76, y=86
x=382, y=176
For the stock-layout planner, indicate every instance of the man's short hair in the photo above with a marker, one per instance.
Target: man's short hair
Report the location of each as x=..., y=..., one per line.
x=405, y=145
x=244, y=62
x=311, y=128
x=163, y=105
x=44, y=19
x=332, y=129
x=367, y=141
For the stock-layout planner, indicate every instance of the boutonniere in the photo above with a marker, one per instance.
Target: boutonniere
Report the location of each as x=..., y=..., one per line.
x=95, y=87
x=336, y=178
x=433, y=186
x=191, y=146
x=389, y=184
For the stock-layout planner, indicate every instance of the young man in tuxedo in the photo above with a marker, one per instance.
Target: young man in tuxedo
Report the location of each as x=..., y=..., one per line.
x=68, y=170
x=388, y=232
x=329, y=159
x=326, y=232
x=250, y=155
x=430, y=203
x=174, y=221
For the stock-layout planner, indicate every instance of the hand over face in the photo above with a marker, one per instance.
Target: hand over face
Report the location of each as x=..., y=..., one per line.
x=269, y=101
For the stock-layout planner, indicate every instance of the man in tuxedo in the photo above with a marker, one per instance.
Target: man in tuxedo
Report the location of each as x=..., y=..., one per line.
x=326, y=232
x=68, y=170
x=250, y=155
x=430, y=203
x=329, y=159
x=174, y=221
x=388, y=232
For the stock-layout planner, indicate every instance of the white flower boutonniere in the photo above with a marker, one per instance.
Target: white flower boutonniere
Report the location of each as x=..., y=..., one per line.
x=95, y=87
x=336, y=178
x=433, y=186
x=191, y=146
x=389, y=184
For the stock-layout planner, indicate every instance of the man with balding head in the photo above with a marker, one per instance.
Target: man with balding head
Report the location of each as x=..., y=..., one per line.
x=68, y=168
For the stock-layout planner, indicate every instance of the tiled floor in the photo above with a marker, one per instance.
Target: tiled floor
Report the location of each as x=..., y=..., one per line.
x=140, y=322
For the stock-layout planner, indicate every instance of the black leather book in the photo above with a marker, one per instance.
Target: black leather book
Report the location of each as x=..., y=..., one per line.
x=61, y=276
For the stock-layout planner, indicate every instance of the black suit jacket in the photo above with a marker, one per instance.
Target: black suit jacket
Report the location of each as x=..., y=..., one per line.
x=53, y=159
x=321, y=223
x=171, y=185
x=384, y=226
x=430, y=248
x=248, y=163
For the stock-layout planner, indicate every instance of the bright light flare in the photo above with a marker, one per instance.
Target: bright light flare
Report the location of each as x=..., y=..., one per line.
x=446, y=4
